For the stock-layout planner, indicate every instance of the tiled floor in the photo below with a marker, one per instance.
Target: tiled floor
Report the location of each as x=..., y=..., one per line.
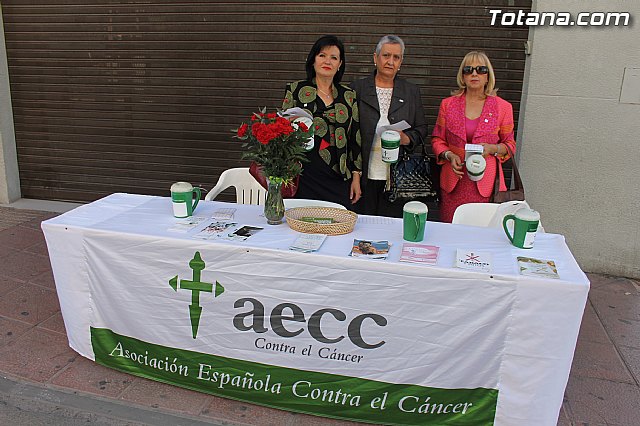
x=603, y=387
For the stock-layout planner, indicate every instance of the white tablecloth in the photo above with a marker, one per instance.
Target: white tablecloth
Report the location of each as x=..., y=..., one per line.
x=524, y=328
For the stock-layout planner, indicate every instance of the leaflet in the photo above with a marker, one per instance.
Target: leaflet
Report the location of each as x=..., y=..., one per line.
x=243, y=233
x=307, y=243
x=223, y=213
x=214, y=230
x=537, y=267
x=398, y=127
x=370, y=249
x=473, y=260
x=419, y=253
x=296, y=112
x=320, y=220
x=187, y=224
x=471, y=149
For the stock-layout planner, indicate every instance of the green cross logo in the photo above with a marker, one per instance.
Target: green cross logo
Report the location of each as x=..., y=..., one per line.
x=196, y=286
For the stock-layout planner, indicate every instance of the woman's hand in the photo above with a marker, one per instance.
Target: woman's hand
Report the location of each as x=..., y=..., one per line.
x=490, y=149
x=404, y=139
x=355, y=192
x=456, y=164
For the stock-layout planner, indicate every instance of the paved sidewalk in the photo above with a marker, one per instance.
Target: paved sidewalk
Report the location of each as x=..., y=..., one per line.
x=603, y=387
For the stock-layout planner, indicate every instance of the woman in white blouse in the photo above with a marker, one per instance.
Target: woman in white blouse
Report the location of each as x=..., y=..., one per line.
x=384, y=98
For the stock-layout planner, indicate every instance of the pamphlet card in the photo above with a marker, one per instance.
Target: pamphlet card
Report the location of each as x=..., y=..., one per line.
x=370, y=249
x=473, y=260
x=224, y=213
x=537, y=267
x=243, y=233
x=214, y=230
x=419, y=253
x=308, y=242
x=186, y=224
x=295, y=112
x=472, y=148
x=398, y=127
x=320, y=220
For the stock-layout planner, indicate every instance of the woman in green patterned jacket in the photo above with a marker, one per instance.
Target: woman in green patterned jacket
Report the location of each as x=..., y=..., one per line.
x=335, y=164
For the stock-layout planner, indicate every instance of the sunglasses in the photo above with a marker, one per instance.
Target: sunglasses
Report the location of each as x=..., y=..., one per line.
x=480, y=69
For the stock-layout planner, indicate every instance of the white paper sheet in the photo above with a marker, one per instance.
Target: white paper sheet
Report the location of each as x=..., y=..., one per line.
x=398, y=127
x=296, y=112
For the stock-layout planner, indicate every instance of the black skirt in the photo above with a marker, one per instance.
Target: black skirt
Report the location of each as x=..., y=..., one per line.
x=319, y=182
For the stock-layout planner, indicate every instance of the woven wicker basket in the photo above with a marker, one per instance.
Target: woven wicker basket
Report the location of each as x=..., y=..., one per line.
x=344, y=220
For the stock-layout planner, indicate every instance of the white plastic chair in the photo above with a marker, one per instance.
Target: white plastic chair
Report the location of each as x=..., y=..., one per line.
x=248, y=190
x=475, y=214
x=488, y=214
x=290, y=203
x=510, y=207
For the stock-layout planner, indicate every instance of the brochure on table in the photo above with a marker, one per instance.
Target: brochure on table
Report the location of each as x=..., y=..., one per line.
x=370, y=249
x=308, y=243
x=154, y=217
x=419, y=253
x=474, y=260
x=538, y=267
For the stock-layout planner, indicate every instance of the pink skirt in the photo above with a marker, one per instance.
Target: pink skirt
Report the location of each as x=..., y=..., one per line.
x=466, y=191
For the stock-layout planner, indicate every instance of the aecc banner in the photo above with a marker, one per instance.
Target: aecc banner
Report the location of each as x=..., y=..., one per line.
x=370, y=342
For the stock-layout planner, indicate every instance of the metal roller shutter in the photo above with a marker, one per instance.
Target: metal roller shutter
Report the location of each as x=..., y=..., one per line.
x=131, y=96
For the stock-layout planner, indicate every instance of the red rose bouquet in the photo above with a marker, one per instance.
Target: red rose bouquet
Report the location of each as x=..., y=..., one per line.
x=276, y=144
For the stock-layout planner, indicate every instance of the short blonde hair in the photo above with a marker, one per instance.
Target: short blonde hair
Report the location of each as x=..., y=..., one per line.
x=482, y=58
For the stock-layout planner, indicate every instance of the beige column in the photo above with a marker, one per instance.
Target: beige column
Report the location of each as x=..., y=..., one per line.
x=9, y=177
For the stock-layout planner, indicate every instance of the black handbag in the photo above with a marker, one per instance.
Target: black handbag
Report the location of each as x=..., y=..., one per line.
x=410, y=177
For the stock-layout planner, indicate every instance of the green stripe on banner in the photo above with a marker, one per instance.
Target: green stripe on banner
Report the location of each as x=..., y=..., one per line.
x=310, y=392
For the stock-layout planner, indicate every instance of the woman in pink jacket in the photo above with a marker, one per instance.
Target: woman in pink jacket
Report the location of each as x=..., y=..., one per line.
x=474, y=114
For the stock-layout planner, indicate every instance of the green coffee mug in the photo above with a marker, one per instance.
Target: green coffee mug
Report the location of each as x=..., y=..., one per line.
x=414, y=220
x=182, y=199
x=390, y=141
x=525, y=226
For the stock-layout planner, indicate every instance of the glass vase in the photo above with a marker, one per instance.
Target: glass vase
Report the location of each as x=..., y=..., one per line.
x=274, y=205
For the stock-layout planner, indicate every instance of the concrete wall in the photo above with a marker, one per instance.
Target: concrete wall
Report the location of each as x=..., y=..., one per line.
x=579, y=145
x=9, y=180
